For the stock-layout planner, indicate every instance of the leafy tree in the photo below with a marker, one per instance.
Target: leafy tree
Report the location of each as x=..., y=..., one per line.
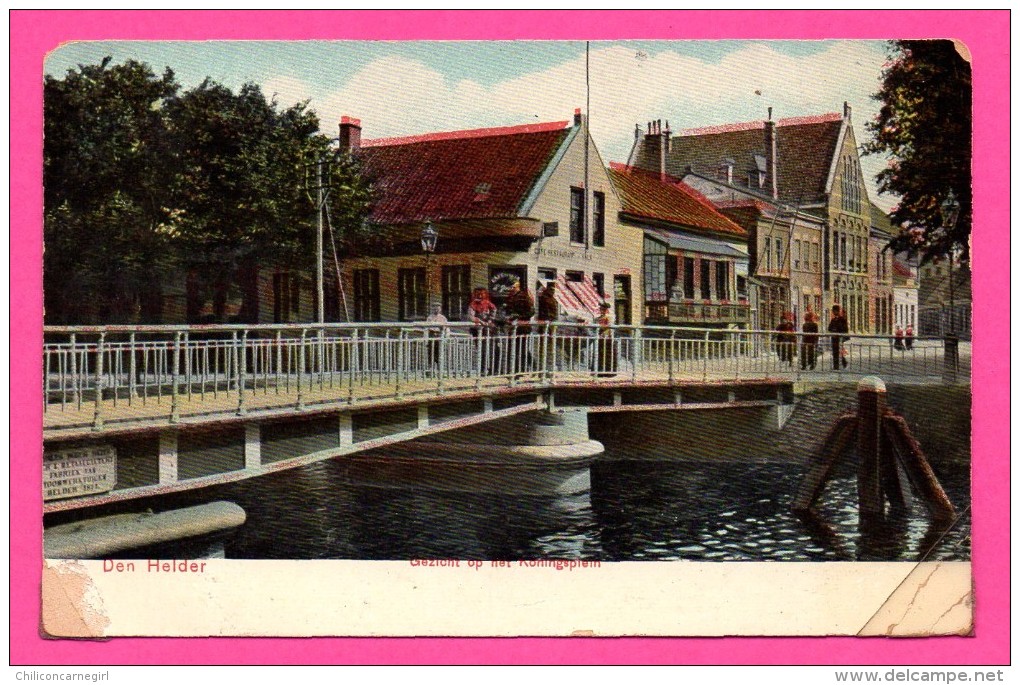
x=243, y=192
x=924, y=126
x=144, y=184
x=104, y=175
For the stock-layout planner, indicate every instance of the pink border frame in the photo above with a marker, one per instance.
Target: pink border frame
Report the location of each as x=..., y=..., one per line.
x=34, y=33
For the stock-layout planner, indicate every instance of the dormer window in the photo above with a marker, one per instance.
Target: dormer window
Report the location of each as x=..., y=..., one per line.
x=759, y=172
x=482, y=191
x=726, y=170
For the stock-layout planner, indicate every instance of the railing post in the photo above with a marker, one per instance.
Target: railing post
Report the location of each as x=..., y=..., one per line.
x=704, y=357
x=352, y=357
x=279, y=360
x=736, y=353
x=635, y=354
x=242, y=376
x=175, y=371
x=132, y=368
x=301, y=370
x=441, y=365
x=97, y=417
x=669, y=356
x=401, y=357
x=76, y=383
x=512, y=352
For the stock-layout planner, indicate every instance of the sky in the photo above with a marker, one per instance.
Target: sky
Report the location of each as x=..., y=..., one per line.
x=405, y=88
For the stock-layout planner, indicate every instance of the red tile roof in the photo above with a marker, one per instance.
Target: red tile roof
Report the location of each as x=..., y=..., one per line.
x=643, y=194
x=805, y=147
x=476, y=174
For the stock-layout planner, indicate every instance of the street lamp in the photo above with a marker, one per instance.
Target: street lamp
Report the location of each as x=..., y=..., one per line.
x=950, y=214
x=429, y=235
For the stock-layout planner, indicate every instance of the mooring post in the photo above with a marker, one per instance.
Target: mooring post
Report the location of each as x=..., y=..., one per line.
x=871, y=402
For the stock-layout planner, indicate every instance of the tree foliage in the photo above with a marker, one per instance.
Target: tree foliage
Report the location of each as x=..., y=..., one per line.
x=145, y=183
x=924, y=127
x=104, y=169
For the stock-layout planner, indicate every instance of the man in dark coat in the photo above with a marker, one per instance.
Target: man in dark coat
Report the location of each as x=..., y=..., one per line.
x=520, y=307
x=809, y=342
x=786, y=338
x=838, y=324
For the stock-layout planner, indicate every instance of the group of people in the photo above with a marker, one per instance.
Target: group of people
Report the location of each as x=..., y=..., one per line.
x=518, y=317
x=903, y=340
x=786, y=339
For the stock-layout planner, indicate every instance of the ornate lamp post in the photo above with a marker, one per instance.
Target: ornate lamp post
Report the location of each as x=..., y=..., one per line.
x=950, y=214
x=429, y=235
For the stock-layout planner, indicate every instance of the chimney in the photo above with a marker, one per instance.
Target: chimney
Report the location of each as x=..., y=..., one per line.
x=846, y=109
x=771, y=163
x=350, y=134
x=577, y=116
x=663, y=149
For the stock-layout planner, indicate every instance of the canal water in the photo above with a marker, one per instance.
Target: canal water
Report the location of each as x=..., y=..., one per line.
x=655, y=507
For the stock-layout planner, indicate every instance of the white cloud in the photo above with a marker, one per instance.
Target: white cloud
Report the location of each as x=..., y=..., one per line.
x=396, y=96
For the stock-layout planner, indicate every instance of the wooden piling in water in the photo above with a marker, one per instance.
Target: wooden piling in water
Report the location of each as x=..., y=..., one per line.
x=832, y=447
x=911, y=456
x=871, y=407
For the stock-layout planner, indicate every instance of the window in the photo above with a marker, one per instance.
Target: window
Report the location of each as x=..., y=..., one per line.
x=576, y=215
x=621, y=298
x=768, y=254
x=411, y=294
x=689, y=278
x=779, y=255
x=598, y=219
x=281, y=297
x=722, y=280
x=796, y=254
x=706, y=279
x=600, y=284
x=576, y=276
x=295, y=296
x=366, y=295
x=815, y=250
x=456, y=291
x=546, y=275
x=550, y=229
x=842, y=251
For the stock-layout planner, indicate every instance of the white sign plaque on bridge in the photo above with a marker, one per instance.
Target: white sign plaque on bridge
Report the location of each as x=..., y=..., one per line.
x=80, y=471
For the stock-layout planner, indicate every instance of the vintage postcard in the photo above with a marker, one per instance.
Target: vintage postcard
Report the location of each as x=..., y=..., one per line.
x=512, y=335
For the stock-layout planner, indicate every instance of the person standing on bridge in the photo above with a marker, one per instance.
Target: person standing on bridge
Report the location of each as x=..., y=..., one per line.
x=520, y=307
x=433, y=335
x=909, y=340
x=898, y=338
x=606, y=361
x=548, y=312
x=809, y=342
x=786, y=338
x=482, y=313
x=838, y=324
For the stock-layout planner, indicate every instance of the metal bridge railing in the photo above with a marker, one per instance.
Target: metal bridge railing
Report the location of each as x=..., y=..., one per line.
x=205, y=369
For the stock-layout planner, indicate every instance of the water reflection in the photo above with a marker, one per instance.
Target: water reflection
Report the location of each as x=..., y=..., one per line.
x=634, y=510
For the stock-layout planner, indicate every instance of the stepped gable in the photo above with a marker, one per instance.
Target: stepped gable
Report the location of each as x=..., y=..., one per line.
x=475, y=174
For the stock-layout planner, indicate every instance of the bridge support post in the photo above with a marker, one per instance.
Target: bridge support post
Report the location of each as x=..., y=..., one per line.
x=168, y=457
x=252, y=446
x=346, y=430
